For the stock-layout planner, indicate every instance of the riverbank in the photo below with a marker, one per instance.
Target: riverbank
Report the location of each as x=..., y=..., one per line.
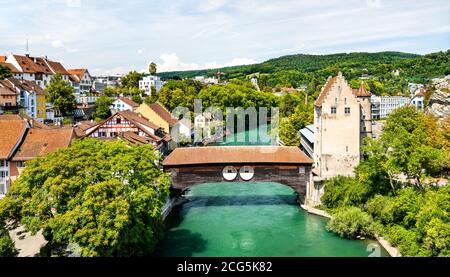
x=391, y=250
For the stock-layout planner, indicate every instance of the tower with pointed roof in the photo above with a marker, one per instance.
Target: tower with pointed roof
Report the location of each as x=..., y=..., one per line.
x=342, y=119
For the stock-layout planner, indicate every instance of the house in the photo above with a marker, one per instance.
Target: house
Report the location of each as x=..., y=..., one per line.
x=36, y=69
x=183, y=130
x=123, y=104
x=148, y=82
x=382, y=106
x=23, y=138
x=103, y=81
x=128, y=121
x=8, y=98
x=39, y=142
x=31, y=97
x=83, y=78
x=158, y=115
x=13, y=129
x=342, y=119
x=419, y=99
x=202, y=120
x=207, y=80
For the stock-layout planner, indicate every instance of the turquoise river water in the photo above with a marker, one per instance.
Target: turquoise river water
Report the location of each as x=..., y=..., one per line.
x=251, y=220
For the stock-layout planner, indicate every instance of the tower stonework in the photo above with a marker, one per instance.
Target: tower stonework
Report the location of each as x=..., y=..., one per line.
x=342, y=119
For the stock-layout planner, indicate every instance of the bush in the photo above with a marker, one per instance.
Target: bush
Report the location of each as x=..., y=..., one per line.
x=7, y=248
x=406, y=240
x=343, y=191
x=351, y=222
x=381, y=209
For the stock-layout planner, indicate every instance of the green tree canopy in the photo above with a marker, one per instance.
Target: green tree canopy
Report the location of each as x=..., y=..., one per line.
x=105, y=197
x=152, y=68
x=61, y=95
x=102, y=108
x=4, y=72
x=131, y=80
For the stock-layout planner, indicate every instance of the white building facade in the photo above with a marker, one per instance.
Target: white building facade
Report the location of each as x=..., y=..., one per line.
x=148, y=82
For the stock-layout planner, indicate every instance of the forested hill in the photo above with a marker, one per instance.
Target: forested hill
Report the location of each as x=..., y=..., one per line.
x=295, y=70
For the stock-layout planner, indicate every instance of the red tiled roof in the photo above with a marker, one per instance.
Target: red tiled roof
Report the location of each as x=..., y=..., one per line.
x=129, y=102
x=326, y=89
x=77, y=72
x=12, y=128
x=137, y=139
x=362, y=92
x=236, y=154
x=57, y=68
x=11, y=67
x=133, y=117
x=163, y=113
x=2, y=59
x=27, y=85
x=40, y=142
x=28, y=65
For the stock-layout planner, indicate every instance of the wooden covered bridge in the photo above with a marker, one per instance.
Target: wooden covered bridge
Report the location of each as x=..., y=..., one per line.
x=197, y=165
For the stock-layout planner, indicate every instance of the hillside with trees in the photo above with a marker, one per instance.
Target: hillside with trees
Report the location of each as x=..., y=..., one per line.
x=385, y=72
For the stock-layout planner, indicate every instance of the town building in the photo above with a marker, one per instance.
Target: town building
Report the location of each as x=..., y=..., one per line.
x=23, y=138
x=342, y=118
x=8, y=98
x=158, y=115
x=382, y=106
x=123, y=104
x=128, y=121
x=84, y=79
x=101, y=82
x=148, y=82
x=37, y=69
x=254, y=81
x=30, y=97
x=418, y=100
x=207, y=80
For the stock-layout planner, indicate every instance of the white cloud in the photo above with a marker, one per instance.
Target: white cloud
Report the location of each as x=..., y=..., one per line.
x=210, y=5
x=140, y=51
x=171, y=62
x=57, y=44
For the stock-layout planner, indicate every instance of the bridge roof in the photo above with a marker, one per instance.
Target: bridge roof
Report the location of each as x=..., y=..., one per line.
x=236, y=155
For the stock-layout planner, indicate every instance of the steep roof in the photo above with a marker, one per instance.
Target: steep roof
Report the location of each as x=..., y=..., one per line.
x=57, y=68
x=134, y=118
x=40, y=142
x=325, y=90
x=137, y=139
x=78, y=72
x=11, y=67
x=2, y=59
x=12, y=128
x=27, y=85
x=236, y=155
x=128, y=101
x=163, y=113
x=362, y=92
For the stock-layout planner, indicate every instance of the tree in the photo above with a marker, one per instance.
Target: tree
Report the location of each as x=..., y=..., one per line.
x=341, y=191
x=287, y=105
x=288, y=133
x=137, y=99
x=408, y=148
x=5, y=72
x=61, y=95
x=152, y=68
x=106, y=197
x=131, y=80
x=102, y=108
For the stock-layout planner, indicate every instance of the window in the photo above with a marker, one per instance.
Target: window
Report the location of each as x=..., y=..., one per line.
x=347, y=110
x=118, y=120
x=335, y=100
x=20, y=164
x=346, y=148
x=345, y=100
x=333, y=110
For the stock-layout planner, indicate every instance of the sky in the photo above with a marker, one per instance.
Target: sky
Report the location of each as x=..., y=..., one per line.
x=113, y=36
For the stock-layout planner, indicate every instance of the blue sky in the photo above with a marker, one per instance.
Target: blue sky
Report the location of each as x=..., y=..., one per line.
x=118, y=36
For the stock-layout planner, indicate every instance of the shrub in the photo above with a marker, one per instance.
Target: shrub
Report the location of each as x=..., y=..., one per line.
x=7, y=248
x=343, y=191
x=406, y=240
x=351, y=222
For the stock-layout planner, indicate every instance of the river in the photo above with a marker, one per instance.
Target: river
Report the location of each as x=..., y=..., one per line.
x=251, y=220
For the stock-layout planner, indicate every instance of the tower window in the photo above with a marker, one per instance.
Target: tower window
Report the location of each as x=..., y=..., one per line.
x=333, y=110
x=347, y=110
